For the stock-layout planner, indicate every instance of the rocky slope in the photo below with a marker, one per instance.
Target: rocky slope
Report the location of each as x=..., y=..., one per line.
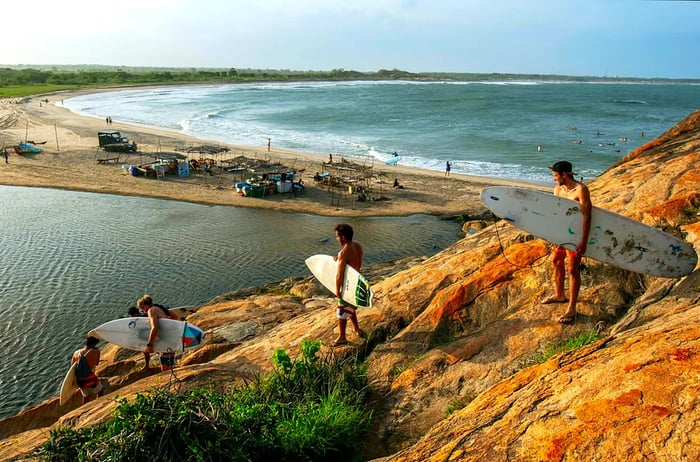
x=461, y=331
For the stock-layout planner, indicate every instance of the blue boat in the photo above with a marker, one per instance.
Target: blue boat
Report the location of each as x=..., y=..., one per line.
x=26, y=148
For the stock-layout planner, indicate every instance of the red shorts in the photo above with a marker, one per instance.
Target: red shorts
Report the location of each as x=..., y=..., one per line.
x=567, y=252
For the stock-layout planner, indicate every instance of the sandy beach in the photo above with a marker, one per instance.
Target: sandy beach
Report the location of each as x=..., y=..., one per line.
x=70, y=159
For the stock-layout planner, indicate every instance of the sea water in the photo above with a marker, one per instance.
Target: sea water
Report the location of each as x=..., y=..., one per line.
x=510, y=130
x=74, y=260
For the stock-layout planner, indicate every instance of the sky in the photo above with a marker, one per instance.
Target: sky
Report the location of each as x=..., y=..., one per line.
x=607, y=38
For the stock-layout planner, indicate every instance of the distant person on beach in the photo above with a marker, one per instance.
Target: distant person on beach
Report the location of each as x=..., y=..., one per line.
x=330, y=158
x=448, y=167
x=568, y=187
x=269, y=144
x=88, y=358
x=155, y=313
x=134, y=312
x=6, y=155
x=350, y=254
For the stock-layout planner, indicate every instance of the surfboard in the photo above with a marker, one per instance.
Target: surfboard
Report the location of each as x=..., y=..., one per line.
x=356, y=289
x=613, y=238
x=69, y=385
x=393, y=160
x=132, y=333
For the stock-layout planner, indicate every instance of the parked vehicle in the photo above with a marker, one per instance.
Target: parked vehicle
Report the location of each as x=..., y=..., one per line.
x=113, y=141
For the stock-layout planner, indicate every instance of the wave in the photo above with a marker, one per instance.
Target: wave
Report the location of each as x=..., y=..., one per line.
x=629, y=101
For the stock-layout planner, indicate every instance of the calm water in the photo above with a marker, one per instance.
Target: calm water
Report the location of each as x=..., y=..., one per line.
x=487, y=129
x=73, y=260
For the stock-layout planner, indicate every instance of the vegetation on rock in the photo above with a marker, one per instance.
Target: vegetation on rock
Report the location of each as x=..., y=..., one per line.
x=311, y=408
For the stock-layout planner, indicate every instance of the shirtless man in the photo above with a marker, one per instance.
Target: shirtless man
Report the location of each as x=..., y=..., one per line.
x=90, y=384
x=568, y=187
x=154, y=313
x=350, y=254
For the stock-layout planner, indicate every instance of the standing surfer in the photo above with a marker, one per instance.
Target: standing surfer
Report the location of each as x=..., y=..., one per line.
x=350, y=254
x=568, y=187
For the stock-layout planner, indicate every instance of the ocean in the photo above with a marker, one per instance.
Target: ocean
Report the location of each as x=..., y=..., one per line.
x=74, y=260
x=490, y=129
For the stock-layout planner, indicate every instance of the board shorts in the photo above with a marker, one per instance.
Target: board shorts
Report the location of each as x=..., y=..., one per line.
x=344, y=309
x=91, y=392
x=567, y=252
x=167, y=359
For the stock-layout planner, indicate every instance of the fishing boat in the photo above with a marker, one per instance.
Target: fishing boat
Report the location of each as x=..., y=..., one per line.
x=26, y=148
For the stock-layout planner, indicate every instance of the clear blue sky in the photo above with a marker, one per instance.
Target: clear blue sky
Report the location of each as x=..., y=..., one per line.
x=629, y=38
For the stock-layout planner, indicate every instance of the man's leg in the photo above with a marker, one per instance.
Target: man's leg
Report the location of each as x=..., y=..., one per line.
x=558, y=260
x=574, y=261
x=356, y=325
x=342, y=325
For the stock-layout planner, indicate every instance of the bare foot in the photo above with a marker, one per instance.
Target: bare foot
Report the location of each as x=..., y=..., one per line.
x=552, y=299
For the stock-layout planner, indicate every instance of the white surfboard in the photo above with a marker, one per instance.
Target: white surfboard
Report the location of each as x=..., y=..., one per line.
x=69, y=385
x=132, y=333
x=393, y=160
x=356, y=290
x=613, y=238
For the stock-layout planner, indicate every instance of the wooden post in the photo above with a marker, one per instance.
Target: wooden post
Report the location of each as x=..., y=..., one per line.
x=55, y=130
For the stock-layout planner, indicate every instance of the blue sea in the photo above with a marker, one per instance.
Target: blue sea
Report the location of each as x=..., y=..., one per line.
x=490, y=129
x=73, y=260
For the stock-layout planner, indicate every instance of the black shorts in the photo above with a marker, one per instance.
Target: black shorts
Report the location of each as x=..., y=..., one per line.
x=167, y=359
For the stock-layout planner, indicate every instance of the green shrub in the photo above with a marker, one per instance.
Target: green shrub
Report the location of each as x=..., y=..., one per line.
x=309, y=409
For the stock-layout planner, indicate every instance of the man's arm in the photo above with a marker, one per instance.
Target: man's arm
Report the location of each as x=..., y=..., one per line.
x=153, y=319
x=586, y=209
x=340, y=276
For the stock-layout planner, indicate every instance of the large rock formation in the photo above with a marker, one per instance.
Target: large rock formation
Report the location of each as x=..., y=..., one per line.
x=461, y=331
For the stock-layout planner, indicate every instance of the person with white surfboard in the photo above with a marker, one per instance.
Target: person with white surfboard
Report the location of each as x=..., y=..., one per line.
x=568, y=187
x=350, y=254
x=154, y=313
x=88, y=358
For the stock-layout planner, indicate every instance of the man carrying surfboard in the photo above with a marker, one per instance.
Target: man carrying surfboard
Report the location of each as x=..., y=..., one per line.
x=88, y=358
x=154, y=313
x=567, y=186
x=350, y=254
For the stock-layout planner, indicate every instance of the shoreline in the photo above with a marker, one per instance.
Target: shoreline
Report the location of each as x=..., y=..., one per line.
x=69, y=161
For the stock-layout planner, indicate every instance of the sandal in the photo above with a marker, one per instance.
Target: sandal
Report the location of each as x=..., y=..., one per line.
x=339, y=343
x=568, y=318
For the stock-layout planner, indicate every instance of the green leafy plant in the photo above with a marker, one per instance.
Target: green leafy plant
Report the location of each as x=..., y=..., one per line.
x=567, y=344
x=459, y=403
x=310, y=408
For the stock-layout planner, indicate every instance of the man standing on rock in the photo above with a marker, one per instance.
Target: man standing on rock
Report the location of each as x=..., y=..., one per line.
x=350, y=254
x=568, y=187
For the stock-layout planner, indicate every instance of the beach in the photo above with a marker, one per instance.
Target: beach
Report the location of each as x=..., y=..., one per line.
x=70, y=160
